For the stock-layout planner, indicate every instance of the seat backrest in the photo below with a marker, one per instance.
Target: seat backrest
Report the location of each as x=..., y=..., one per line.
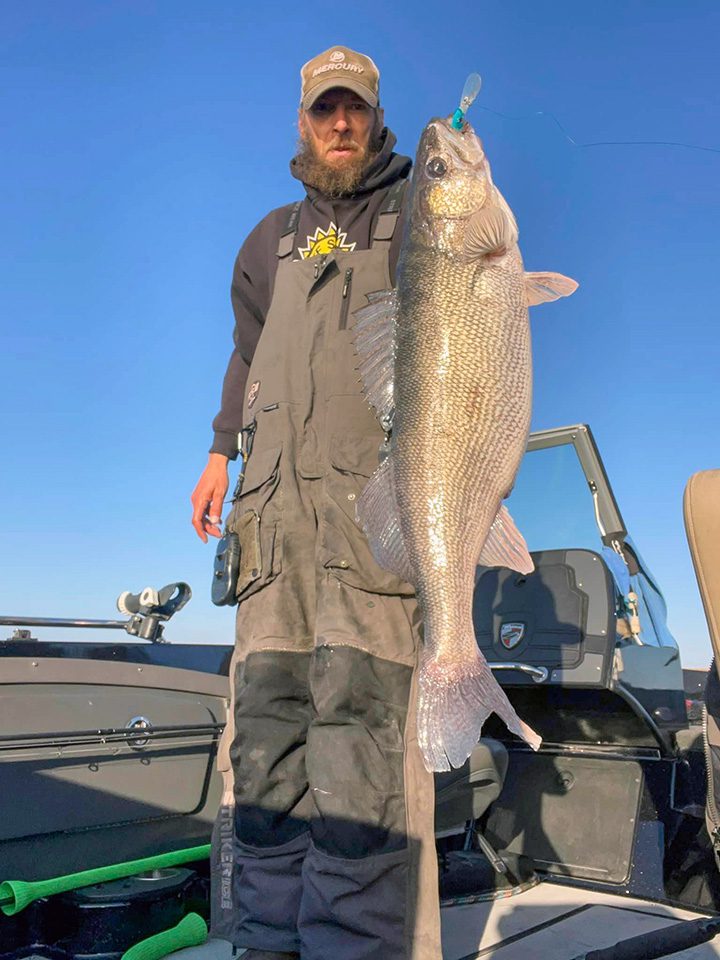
x=702, y=524
x=561, y=617
x=551, y=640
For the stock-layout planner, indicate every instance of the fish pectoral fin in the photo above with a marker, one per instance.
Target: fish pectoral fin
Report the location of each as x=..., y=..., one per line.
x=505, y=546
x=378, y=515
x=374, y=337
x=545, y=287
x=489, y=230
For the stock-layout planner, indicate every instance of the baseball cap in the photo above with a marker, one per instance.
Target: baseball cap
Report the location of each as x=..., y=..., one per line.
x=339, y=67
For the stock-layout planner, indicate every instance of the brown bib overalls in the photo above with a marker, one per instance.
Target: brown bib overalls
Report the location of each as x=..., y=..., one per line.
x=324, y=843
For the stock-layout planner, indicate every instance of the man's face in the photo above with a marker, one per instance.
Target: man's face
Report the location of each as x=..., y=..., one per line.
x=338, y=127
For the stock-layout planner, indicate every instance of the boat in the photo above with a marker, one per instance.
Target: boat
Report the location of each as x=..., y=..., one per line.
x=598, y=846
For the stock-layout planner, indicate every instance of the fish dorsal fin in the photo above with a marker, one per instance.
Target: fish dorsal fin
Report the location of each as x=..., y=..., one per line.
x=489, y=230
x=378, y=515
x=545, y=287
x=374, y=336
x=505, y=545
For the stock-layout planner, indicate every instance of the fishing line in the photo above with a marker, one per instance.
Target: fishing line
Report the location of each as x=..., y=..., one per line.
x=601, y=143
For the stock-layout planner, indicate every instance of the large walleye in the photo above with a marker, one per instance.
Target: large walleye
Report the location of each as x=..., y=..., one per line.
x=446, y=361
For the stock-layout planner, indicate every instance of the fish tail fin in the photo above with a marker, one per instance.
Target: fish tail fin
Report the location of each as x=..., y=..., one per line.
x=546, y=287
x=454, y=702
x=505, y=546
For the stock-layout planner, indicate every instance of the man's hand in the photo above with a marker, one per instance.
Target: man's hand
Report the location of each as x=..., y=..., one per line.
x=208, y=496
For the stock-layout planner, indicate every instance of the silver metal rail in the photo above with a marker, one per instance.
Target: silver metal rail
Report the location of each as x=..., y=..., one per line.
x=539, y=674
x=61, y=622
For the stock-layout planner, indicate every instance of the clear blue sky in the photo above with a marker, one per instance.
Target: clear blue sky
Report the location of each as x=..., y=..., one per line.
x=141, y=141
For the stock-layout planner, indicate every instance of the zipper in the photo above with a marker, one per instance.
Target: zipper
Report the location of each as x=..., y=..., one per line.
x=245, y=444
x=347, y=287
x=710, y=799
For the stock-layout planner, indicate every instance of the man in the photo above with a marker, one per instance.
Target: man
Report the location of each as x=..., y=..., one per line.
x=324, y=842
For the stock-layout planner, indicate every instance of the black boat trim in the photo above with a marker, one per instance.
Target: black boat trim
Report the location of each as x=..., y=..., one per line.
x=487, y=951
x=109, y=735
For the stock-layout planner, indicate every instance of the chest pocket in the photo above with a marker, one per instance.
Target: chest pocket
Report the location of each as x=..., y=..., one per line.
x=256, y=517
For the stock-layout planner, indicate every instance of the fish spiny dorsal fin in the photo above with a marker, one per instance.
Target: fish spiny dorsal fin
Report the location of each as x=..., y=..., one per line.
x=374, y=337
x=546, y=287
x=378, y=515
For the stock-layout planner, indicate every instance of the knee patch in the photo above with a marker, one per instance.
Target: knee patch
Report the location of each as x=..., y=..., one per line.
x=355, y=752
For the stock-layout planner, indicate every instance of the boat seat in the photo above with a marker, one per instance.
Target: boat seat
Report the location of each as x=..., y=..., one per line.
x=550, y=637
x=702, y=525
x=465, y=793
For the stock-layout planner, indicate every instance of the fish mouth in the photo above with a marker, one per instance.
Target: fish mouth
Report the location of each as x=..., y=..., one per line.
x=463, y=145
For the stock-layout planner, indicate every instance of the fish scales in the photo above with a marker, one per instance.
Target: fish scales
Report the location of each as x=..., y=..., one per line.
x=462, y=398
x=462, y=390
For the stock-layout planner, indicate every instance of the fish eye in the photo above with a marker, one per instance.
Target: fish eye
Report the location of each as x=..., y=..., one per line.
x=436, y=168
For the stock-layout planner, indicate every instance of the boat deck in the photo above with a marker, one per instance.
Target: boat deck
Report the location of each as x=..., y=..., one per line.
x=555, y=922
x=520, y=915
x=547, y=922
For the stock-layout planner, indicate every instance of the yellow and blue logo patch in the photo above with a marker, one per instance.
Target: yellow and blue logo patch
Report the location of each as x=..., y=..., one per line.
x=325, y=241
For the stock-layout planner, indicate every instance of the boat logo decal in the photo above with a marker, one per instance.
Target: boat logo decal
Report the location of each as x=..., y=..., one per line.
x=325, y=241
x=253, y=393
x=511, y=634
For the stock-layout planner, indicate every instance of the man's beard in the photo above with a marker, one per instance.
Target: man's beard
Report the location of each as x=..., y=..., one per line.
x=343, y=180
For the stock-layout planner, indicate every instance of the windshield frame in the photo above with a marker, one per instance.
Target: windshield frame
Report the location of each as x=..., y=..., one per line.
x=607, y=512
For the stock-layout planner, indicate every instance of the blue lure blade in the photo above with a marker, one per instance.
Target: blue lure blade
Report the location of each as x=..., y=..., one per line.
x=470, y=91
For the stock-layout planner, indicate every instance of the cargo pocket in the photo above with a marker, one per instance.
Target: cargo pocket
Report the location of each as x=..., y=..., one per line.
x=353, y=459
x=256, y=518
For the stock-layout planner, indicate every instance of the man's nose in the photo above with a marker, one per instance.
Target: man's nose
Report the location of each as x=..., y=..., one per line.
x=341, y=124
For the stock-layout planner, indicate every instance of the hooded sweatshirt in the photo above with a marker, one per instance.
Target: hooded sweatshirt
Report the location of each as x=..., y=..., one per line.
x=354, y=218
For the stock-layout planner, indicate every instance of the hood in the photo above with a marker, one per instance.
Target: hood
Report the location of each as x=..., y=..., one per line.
x=385, y=169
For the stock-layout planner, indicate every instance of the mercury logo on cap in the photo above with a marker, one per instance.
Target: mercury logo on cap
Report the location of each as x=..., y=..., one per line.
x=339, y=67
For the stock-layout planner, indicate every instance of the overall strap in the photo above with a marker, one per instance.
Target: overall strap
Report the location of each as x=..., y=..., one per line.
x=389, y=213
x=286, y=244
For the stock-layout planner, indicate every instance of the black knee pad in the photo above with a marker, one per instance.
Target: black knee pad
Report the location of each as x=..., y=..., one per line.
x=355, y=752
x=272, y=715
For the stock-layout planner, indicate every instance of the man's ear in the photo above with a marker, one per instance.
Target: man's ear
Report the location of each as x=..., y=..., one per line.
x=380, y=118
x=302, y=123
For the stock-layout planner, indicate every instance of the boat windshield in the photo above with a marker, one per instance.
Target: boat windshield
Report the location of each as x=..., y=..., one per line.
x=562, y=500
x=552, y=504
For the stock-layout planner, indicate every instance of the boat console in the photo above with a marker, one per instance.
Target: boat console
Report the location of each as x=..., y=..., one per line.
x=582, y=650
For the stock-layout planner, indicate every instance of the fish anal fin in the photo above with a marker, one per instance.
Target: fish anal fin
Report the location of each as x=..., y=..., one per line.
x=546, y=287
x=505, y=546
x=373, y=331
x=377, y=514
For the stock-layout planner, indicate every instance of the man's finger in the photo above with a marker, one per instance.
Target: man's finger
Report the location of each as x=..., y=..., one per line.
x=216, y=507
x=213, y=520
x=214, y=531
x=198, y=520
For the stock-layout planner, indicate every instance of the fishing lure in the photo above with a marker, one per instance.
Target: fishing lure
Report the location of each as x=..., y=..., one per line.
x=470, y=91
